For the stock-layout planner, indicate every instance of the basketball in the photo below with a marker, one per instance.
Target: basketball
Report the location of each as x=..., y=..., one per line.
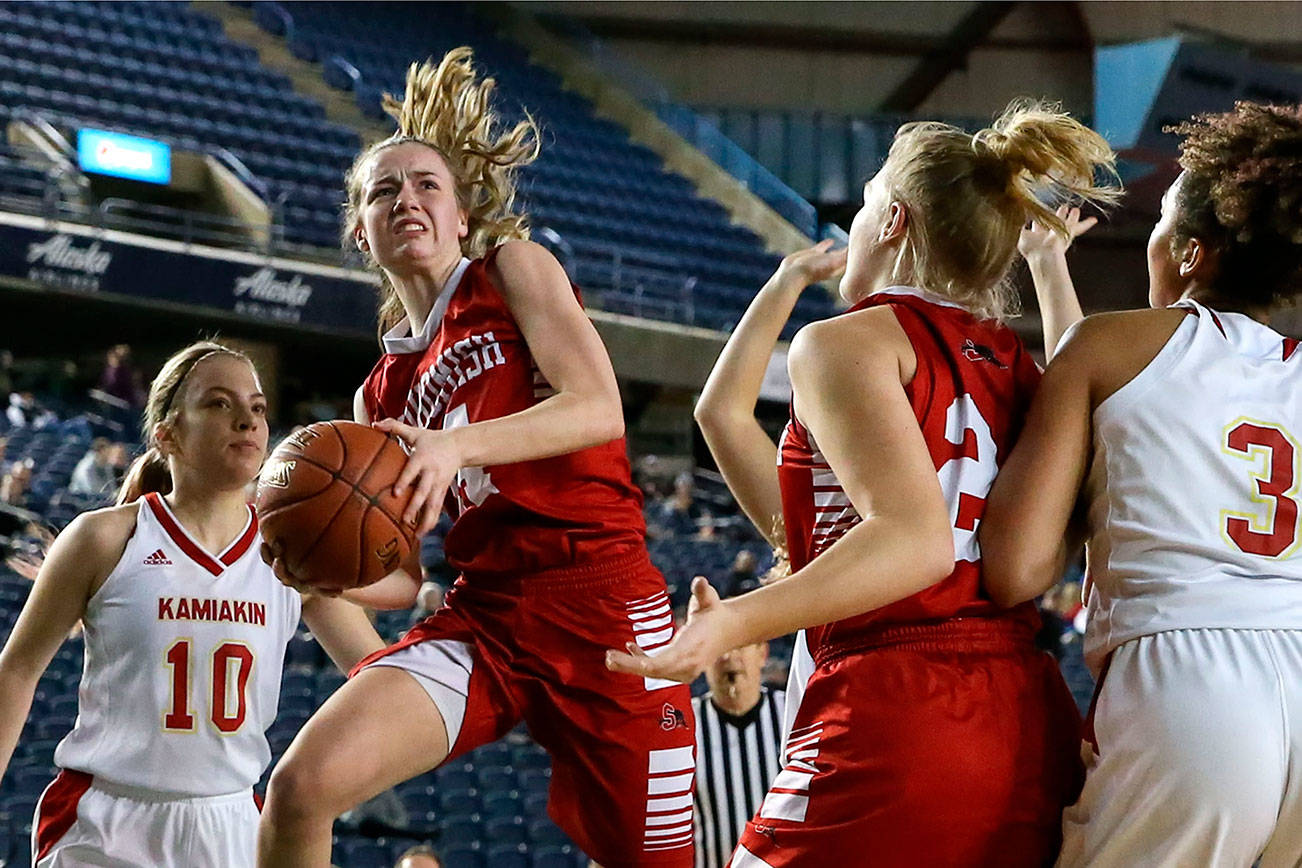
x=326, y=504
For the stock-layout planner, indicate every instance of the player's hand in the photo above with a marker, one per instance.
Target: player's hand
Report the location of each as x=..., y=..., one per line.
x=811, y=265
x=271, y=557
x=431, y=466
x=700, y=642
x=1038, y=240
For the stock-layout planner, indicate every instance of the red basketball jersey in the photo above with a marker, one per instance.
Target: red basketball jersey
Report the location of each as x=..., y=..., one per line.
x=971, y=392
x=469, y=364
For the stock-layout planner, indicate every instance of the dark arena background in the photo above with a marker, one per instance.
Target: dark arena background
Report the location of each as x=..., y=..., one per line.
x=171, y=170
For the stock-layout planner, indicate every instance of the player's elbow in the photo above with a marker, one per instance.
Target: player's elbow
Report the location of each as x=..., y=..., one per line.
x=1007, y=579
x=935, y=555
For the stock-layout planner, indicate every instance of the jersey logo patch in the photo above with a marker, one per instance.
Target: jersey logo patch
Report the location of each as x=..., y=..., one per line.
x=157, y=559
x=671, y=718
x=975, y=352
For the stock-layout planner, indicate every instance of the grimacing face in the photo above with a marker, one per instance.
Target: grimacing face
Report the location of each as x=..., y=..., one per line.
x=220, y=435
x=408, y=217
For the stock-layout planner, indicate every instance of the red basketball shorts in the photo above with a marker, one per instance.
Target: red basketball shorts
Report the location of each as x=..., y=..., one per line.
x=533, y=648
x=949, y=744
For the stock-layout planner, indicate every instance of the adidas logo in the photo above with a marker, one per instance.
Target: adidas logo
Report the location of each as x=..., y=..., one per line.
x=157, y=559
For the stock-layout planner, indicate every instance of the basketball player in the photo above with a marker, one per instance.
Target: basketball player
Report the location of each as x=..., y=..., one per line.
x=932, y=731
x=1179, y=427
x=185, y=632
x=497, y=380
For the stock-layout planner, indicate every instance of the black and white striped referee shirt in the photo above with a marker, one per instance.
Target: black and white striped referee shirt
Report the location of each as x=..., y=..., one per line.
x=736, y=761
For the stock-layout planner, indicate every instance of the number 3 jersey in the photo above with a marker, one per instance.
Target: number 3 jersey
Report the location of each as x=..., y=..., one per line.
x=184, y=652
x=973, y=386
x=468, y=364
x=1194, y=487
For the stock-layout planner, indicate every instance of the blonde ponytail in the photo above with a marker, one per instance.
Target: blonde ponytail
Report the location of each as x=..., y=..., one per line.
x=968, y=196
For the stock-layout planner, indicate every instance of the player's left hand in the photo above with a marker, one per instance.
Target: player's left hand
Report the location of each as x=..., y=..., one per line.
x=270, y=555
x=1038, y=239
x=706, y=635
x=431, y=467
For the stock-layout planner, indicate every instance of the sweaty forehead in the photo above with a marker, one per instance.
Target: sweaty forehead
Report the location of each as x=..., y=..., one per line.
x=405, y=159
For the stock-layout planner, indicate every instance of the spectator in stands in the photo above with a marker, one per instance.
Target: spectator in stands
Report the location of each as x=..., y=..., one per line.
x=22, y=411
x=121, y=378
x=680, y=515
x=1054, y=629
x=6, y=372
x=420, y=856
x=742, y=576
x=13, y=487
x=738, y=745
x=95, y=473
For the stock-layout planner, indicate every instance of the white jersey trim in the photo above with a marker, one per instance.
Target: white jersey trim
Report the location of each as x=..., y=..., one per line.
x=399, y=339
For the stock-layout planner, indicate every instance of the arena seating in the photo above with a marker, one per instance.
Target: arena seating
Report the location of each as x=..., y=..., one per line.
x=602, y=193
x=635, y=235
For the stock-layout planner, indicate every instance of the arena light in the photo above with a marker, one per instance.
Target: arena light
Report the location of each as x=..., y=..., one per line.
x=123, y=156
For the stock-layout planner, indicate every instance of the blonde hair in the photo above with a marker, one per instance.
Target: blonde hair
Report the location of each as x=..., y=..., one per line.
x=446, y=107
x=150, y=472
x=968, y=196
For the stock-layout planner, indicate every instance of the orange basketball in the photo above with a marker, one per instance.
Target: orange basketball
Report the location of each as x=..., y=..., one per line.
x=325, y=501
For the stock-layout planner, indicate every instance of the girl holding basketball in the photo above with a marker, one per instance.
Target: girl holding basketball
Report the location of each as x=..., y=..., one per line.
x=932, y=731
x=500, y=385
x=1177, y=429
x=185, y=632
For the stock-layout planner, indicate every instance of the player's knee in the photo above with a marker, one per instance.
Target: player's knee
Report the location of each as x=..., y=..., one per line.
x=300, y=791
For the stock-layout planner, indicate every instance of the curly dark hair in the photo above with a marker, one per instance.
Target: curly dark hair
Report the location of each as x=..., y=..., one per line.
x=1242, y=196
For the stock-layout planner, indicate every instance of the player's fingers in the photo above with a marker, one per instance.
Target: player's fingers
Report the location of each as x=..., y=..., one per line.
x=264, y=551
x=410, y=471
x=393, y=426
x=1083, y=226
x=420, y=487
x=703, y=593
x=433, y=509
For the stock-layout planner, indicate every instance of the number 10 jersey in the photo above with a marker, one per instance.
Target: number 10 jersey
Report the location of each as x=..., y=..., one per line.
x=184, y=651
x=971, y=392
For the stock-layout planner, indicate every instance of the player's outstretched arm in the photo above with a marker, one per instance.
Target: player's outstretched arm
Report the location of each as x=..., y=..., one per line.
x=342, y=628
x=584, y=411
x=847, y=378
x=77, y=564
x=1045, y=252
x=1024, y=532
x=725, y=412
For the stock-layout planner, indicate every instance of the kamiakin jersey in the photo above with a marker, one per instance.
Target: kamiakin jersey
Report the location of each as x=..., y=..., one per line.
x=184, y=652
x=973, y=386
x=1194, y=487
x=470, y=363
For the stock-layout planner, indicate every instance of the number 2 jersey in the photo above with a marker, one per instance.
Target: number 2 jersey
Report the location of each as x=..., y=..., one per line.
x=184, y=652
x=971, y=392
x=470, y=363
x=1194, y=487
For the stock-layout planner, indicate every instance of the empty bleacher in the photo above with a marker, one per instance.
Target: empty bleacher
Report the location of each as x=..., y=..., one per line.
x=636, y=236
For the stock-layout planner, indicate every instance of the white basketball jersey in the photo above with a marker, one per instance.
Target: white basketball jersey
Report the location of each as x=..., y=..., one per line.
x=184, y=652
x=1195, y=487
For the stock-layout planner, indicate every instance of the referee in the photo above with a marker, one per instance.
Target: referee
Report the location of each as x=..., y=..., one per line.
x=738, y=739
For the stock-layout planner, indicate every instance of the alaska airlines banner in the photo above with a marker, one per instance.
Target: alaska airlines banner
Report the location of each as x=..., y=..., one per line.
x=75, y=258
